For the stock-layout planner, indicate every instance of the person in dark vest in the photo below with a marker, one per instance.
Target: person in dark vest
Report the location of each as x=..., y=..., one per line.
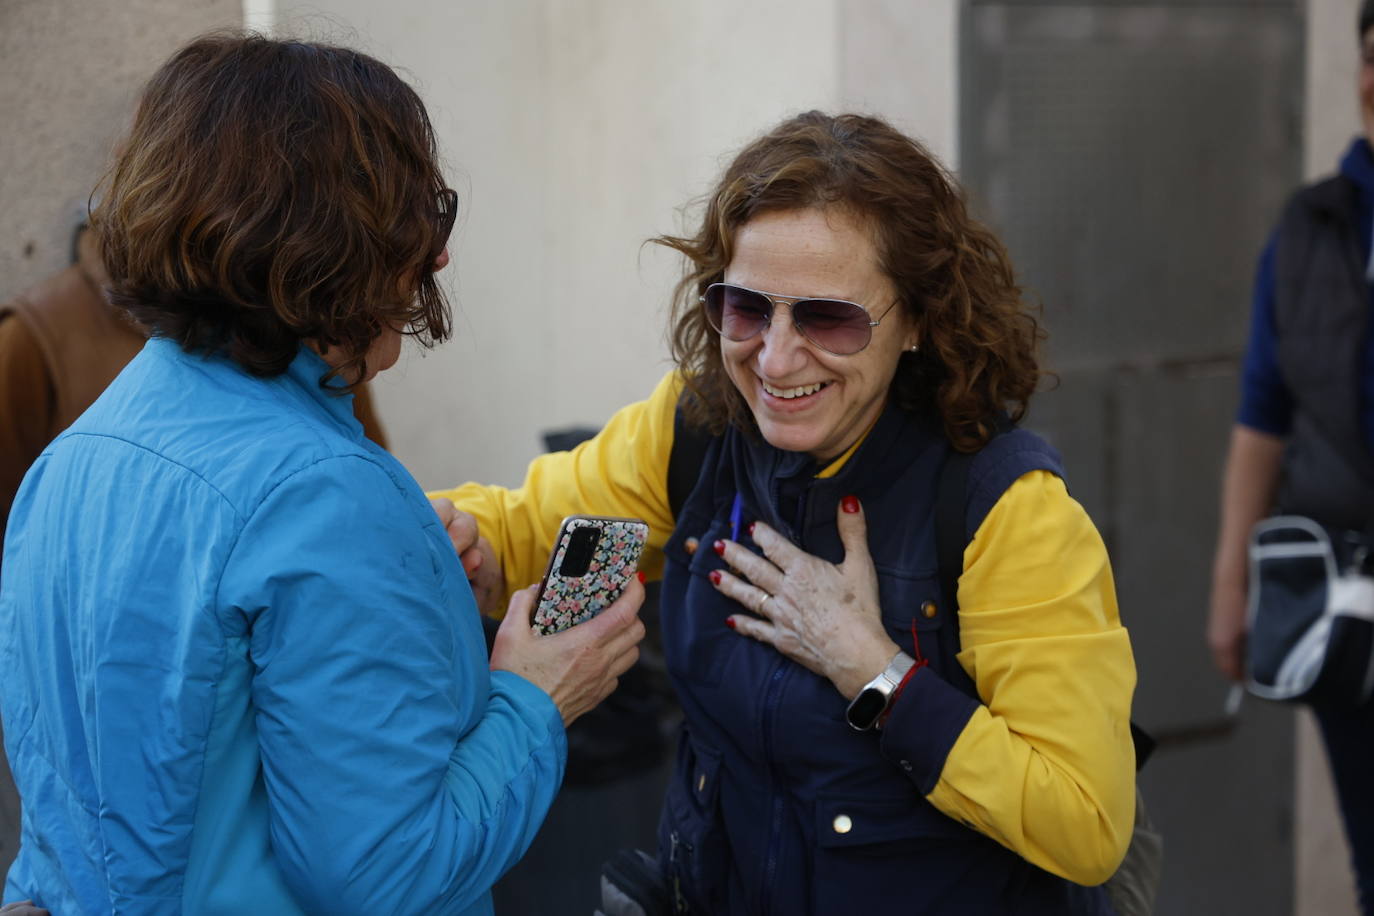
x=1303, y=441
x=858, y=736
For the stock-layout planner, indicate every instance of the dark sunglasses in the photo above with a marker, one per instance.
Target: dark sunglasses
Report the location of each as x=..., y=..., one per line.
x=837, y=326
x=444, y=216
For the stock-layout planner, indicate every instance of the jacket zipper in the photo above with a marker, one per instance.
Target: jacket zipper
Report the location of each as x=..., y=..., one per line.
x=771, y=703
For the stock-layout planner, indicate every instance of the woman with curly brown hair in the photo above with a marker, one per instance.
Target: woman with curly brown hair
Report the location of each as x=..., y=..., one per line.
x=243, y=672
x=862, y=734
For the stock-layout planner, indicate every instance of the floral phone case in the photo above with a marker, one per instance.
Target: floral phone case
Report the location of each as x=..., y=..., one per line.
x=592, y=561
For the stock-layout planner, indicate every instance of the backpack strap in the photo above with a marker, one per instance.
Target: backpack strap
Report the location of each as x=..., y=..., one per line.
x=684, y=461
x=951, y=500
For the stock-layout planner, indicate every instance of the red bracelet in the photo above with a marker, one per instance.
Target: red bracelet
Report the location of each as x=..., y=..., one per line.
x=892, y=701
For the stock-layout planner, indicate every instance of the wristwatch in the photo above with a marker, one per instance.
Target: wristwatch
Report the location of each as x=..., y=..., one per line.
x=868, y=707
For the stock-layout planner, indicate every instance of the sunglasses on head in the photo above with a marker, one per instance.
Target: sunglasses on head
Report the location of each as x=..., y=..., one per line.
x=837, y=326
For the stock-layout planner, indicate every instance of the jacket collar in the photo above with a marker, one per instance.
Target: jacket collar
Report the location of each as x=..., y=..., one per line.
x=305, y=373
x=300, y=382
x=888, y=450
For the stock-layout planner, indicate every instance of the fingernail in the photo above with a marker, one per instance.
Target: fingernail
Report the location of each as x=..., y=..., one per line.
x=640, y=574
x=719, y=547
x=730, y=622
x=690, y=545
x=751, y=529
x=850, y=504
x=715, y=577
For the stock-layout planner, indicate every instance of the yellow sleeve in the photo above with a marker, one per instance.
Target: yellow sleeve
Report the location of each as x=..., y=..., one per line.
x=622, y=471
x=1046, y=765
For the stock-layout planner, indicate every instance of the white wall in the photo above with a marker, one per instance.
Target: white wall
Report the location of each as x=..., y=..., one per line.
x=68, y=81
x=1331, y=106
x=575, y=129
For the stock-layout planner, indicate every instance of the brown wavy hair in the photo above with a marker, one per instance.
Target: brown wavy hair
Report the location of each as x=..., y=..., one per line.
x=273, y=192
x=953, y=277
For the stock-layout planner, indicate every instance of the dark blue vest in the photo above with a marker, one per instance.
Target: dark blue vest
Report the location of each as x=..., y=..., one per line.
x=1321, y=313
x=766, y=763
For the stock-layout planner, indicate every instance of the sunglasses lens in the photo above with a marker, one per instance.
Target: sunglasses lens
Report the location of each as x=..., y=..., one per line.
x=738, y=314
x=839, y=327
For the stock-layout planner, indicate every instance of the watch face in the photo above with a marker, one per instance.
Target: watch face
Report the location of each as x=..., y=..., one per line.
x=866, y=708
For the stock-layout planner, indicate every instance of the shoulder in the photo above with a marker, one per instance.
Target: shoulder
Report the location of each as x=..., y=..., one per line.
x=241, y=435
x=1334, y=196
x=999, y=464
x=666, y=398
x=356, y=491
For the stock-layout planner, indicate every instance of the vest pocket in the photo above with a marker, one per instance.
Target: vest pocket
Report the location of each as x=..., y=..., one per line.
x=914, y=614
x=872, y=852
x=692, y=850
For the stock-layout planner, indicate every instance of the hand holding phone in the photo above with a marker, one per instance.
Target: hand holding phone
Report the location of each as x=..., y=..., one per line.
x=579, y=667
x=592, y=561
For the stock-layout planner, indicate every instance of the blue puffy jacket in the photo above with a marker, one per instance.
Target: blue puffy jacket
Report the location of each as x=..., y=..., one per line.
x=241, y=669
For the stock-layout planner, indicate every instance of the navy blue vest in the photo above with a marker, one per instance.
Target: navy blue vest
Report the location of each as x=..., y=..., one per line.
x=766, y=762
x=1321, y=312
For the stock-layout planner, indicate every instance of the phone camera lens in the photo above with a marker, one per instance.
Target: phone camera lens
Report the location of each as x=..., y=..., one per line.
x=577, y=559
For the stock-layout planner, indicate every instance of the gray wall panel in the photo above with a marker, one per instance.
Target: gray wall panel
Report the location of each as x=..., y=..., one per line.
x=1133, y=157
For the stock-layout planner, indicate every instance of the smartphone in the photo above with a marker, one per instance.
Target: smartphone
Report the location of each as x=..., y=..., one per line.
x=592, y=561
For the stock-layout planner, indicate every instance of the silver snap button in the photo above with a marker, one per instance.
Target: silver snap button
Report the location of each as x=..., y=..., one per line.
x=842, y=823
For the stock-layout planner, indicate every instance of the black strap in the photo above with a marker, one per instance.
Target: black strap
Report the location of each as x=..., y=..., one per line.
x=684, y=461
x=951, y=534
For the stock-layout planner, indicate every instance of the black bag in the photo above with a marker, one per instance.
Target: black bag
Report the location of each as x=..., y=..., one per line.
x=1311, y=613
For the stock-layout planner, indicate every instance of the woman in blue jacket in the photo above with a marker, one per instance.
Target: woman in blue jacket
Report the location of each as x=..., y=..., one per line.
x=242, y=669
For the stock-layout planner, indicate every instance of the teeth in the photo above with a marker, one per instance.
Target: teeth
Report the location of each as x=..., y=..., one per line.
x=789, y=393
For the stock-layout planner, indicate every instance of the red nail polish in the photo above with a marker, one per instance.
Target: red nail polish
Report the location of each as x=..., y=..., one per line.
x=730, y=622
x=751, y=529
x=719, y=547
x=850, y=504
x=715, y=577
x=640, y=574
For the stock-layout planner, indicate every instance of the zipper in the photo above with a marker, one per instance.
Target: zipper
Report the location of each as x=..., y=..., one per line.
x=772, y=700
x=770, y=868
x=679, y=902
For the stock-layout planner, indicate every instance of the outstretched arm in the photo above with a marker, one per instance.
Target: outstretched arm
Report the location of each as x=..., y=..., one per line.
x=622, y=472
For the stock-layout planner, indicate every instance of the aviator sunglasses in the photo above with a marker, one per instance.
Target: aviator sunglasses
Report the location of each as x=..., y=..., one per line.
x=837, y=326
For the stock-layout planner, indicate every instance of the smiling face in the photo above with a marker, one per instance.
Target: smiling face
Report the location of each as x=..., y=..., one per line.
x=803, y=398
